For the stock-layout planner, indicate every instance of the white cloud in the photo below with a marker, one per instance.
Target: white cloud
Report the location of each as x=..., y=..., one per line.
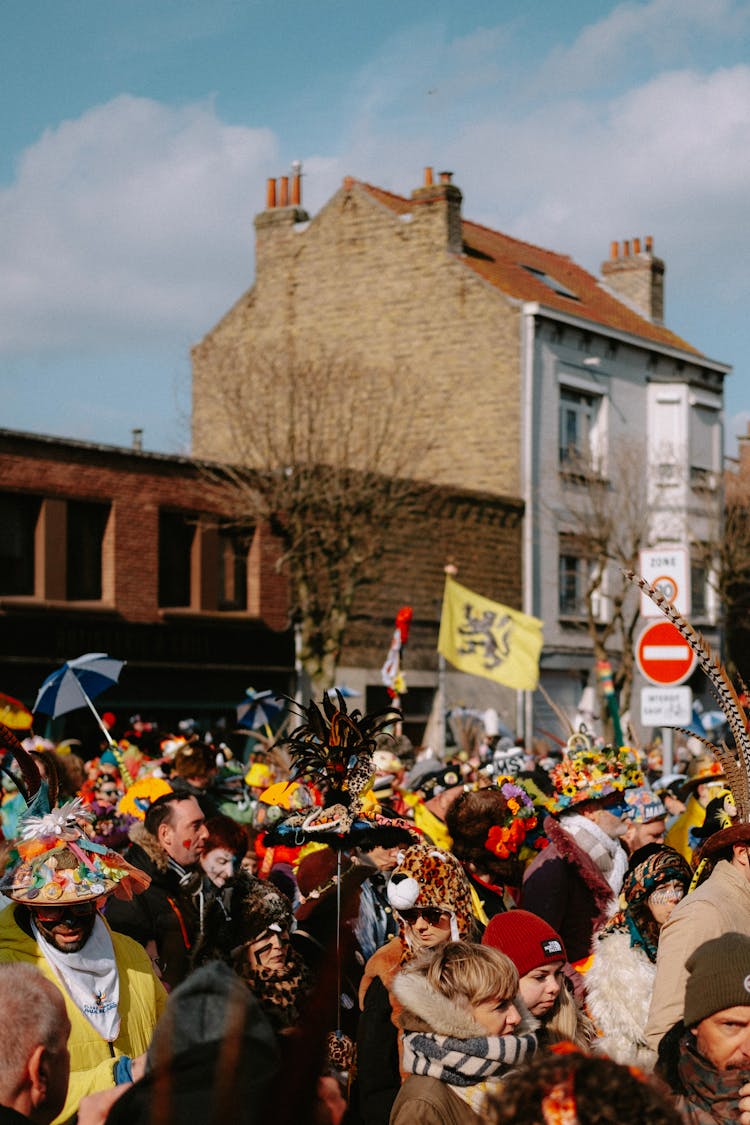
x=660, y=34
x=124, y=223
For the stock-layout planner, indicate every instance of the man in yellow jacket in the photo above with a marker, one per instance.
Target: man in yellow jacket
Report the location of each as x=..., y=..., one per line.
x=57, y=881
x=103, y=1039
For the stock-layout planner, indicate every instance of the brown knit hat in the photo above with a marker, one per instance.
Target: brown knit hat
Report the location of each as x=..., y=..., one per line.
x=719, y=977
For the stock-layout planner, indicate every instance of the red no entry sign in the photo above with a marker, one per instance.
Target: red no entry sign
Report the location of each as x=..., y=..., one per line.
x=663, y=655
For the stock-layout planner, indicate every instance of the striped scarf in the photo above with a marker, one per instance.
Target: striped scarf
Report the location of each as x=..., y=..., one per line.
x=464, y=1062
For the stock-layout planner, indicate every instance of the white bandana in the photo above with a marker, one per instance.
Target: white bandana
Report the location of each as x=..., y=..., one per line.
x=608, y=854
x=90, y=978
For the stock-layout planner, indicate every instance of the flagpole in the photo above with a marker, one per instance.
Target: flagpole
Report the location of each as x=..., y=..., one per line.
x=440, y=749
x=450, y=570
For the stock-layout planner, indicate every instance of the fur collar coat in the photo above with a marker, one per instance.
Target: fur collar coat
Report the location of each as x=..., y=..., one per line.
x=618, y=995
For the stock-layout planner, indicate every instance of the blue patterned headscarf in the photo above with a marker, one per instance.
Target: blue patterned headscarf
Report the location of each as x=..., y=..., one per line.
x=660, y=866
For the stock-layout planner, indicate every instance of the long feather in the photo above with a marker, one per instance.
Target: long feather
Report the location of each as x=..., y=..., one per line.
x=28, y=767
x=722, y=687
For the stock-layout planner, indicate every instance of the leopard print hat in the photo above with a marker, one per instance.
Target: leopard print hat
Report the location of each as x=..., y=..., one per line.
x=427, y=876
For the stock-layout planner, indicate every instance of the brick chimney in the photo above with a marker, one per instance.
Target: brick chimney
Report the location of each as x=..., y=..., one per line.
x=283, y=209
x=438, y=210
x=634, y=273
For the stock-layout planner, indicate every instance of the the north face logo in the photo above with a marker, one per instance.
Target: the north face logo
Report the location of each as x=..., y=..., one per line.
x=550, y=946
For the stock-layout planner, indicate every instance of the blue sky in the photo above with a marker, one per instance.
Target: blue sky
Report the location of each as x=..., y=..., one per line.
x=138, y=137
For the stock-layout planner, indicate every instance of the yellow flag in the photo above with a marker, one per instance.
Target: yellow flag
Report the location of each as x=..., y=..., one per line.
x=485, y=638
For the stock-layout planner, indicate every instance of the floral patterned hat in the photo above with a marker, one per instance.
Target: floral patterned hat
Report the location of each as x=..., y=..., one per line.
x=54, y=863
x=587, y=773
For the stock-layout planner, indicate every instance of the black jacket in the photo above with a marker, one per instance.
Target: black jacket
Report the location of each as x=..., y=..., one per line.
x=165, y=913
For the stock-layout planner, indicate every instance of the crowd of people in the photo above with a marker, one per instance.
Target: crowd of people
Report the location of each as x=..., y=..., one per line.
x=343, y=928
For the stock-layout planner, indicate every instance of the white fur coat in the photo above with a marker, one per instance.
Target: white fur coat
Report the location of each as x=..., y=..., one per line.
x=618, y=995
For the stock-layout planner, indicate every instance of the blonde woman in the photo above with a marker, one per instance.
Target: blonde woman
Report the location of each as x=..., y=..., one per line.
x=538, y=953
x=461, y=1033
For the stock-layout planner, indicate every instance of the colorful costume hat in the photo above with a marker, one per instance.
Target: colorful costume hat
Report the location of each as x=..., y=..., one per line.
x=701, y=771
x=642, y=806
x=333, y=750
x=429, y=877
x=496, y=829
x=589, y=774
x=54, y=862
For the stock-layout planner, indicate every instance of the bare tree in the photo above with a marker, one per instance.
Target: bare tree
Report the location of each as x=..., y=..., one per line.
x=605, y=519
x=327, y=453
x=725, y=558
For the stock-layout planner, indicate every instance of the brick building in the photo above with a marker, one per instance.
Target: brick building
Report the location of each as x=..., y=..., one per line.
x=115, y=550
x=536, y=357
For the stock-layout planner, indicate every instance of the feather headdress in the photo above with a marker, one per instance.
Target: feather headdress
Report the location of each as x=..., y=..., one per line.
x=735, y=762
x=333, y=749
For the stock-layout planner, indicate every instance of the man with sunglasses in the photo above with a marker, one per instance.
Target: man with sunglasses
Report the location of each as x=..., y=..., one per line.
x=112, y=998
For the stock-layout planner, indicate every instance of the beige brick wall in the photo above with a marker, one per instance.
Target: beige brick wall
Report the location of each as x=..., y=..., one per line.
x=362, y=282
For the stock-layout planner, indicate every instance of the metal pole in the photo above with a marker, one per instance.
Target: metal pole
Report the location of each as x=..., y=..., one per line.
x=667, y=747
x=440, y=726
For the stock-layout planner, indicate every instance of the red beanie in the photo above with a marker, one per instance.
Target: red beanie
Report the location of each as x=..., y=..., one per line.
x=526, y=938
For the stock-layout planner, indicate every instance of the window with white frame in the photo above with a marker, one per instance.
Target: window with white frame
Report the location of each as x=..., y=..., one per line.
x=578, y=589
x=705, y=438
x=572, y=582
x=581, y=424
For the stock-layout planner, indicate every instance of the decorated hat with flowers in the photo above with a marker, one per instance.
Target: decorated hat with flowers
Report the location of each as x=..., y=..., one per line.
x=496, y=829
x=53, y=861
x=587, y=773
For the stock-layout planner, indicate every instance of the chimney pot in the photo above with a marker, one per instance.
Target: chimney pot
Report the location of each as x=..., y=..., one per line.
x=614, y=250
x=446, y=177
x=649, y=243
x=636, y=245
x=270, y=194
x=428, y=177
x=283, y=191
x=296, y=183
x=137, y=435
x=626, y=248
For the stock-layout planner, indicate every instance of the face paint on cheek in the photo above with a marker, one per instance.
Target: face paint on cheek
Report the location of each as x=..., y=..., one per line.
x=187, y=844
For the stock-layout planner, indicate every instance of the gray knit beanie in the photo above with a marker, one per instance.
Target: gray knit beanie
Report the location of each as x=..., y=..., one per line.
x=719, y=977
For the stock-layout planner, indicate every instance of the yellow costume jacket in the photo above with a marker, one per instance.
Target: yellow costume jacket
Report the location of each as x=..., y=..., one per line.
x=142, y=1000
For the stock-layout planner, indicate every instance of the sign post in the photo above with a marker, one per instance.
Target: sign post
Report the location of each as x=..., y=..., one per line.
x=665, y=659
x=668, y=569
x=663, y=655
x=666, y=706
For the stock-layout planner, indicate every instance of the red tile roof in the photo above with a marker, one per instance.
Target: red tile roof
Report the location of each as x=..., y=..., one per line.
x=506, y=263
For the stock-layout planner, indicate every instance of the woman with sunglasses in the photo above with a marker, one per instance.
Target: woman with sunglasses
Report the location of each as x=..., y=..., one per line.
x=432, y=899
x=620, y=981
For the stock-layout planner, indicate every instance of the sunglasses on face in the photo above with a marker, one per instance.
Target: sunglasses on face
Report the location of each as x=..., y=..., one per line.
x=431, y=914
x=75, y=910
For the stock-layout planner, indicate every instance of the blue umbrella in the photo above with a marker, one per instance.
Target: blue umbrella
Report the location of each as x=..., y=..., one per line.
x=259, y=709
x=76, y=683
